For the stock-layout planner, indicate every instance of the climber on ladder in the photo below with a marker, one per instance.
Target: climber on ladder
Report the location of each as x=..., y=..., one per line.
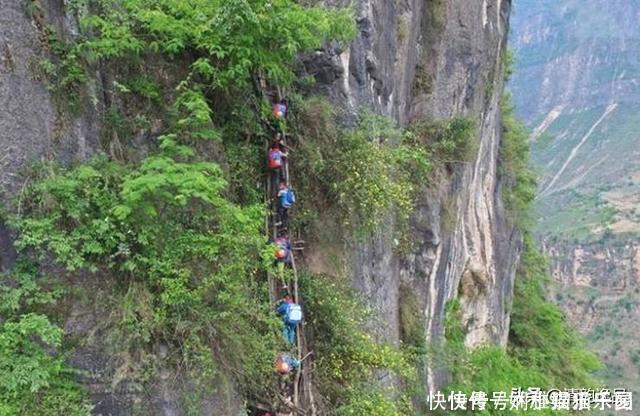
x=286, y=363
x=282, y=256
x=291, y=314
x=281, y=198
x=286, y=199
x=280, y=110
x=277, y=159
x=283, y=249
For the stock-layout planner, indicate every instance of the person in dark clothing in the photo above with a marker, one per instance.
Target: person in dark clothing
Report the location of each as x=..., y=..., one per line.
x=276, y=161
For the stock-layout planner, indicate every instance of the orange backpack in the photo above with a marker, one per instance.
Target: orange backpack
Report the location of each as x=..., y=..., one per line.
x=281, y=366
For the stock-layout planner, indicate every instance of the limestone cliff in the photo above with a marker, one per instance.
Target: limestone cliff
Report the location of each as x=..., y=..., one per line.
x=412, y=60
x=597, y=286
x=427, y=61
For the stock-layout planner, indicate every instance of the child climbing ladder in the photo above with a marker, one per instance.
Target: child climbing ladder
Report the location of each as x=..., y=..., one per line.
x=281, y=199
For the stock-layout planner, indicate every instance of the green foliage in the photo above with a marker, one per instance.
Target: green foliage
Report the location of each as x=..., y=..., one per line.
x=22, y=290
x=519, y=180
x=540, y=336
x=487, y=368
x=582, y=214
x=490, y=369
x=370, y=403
x=437, y=13
x=33, y=9
x=508, y=62
x=450, y=141
x=192, y=114
x=63, y=70
x=454, y=330
x=370, y=169
x=368, y=181
x=144, y=86
x=543, y=351
x=245, y=161
x=423, y=81
x=348, y=360
x=231, y=39
x=24, y=364
x=34, y=380
x=191, y=256
x=412, y=331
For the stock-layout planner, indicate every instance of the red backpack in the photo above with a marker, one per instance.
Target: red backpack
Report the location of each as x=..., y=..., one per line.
x=275, y=158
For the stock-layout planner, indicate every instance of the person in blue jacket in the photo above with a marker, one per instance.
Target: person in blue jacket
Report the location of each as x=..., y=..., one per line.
x=286, y=363
x=286, y=199
x=291, y=314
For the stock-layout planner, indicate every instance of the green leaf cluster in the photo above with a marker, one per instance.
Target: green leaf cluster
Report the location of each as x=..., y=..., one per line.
x=188, y=259
x=231, y=40
x=351, y=366
x=368, y=171
x=449, y=141
x=543, y=350
x=63, y=70
x=34, y=379
x=488, y=368
x=540, y=336
x=519, y=180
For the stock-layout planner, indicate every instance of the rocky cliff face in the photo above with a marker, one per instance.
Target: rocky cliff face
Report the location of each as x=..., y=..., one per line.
x=607, y=265
x=598, y=287
x=31, y=127
x=413, y=60
x=418, y=60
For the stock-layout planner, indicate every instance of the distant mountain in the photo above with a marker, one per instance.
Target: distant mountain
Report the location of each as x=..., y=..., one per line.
x=577, y=86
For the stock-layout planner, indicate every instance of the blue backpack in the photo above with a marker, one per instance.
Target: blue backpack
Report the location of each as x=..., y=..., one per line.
x=294, y=314
x=288, y=199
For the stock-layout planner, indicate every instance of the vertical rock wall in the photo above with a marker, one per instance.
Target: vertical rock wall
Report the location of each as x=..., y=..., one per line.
x=417, y=60
x=595, y=277
x=30, y=126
